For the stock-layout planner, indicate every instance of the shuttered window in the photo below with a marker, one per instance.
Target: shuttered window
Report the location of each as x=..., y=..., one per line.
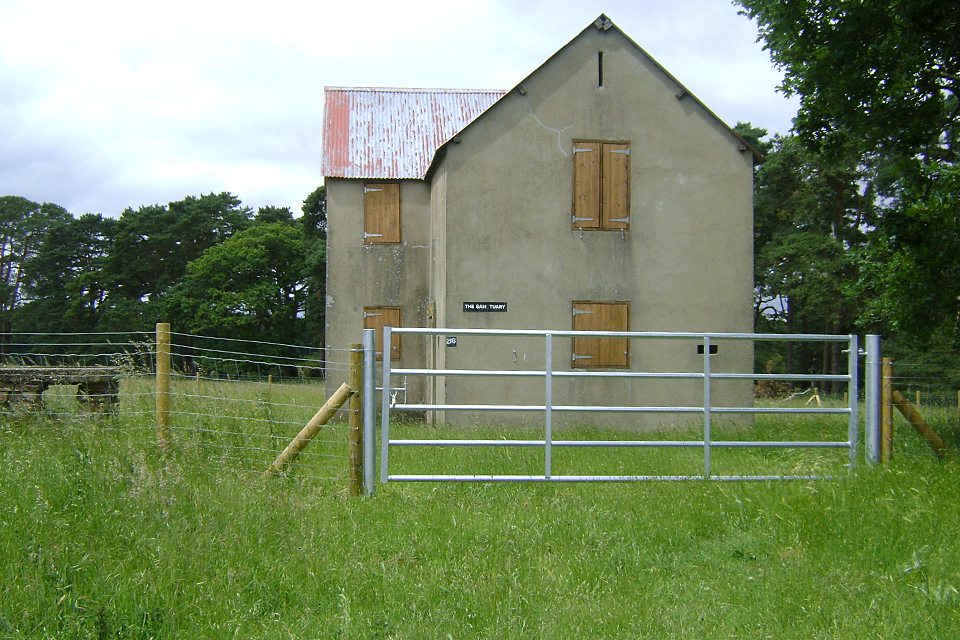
x=601, y=352
x=601, y=185
x=378, y=318
x=381, y=213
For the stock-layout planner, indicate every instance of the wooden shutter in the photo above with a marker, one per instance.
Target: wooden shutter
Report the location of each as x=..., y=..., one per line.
x=381, y=213
x=601, y=352
x=378, y=318
x=615, y=203
x=587, y=158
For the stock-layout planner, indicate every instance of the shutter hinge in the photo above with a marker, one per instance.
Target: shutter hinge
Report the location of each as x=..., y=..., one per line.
x=580, y=312
x=371, y=189
x=627, y=220
x=371, y=315
x=623, y=151
x=576, y=357
x=581, y=150
x=576, y=219
x=371, y=235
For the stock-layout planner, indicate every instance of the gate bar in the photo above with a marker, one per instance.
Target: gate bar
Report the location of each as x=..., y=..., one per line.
x=853, y=364
x=385, y=405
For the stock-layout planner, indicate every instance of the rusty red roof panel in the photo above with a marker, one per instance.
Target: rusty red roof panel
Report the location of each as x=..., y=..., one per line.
x=393, y=133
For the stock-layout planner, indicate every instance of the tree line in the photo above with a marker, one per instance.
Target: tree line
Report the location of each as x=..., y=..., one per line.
x=857, y=211
x=206, y=264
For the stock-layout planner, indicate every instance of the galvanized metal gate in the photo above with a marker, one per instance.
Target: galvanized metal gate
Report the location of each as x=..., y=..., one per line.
x=707, y=410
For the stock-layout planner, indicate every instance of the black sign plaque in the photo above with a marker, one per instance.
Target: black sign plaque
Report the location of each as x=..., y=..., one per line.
x=487, y=307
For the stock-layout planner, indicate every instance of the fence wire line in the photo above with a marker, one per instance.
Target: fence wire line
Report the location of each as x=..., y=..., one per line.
x=268, y=417
x=287, y=423
x=247, y=435
x=271, y=344
x=256, y=401
x=293, y=359
x=272, y=452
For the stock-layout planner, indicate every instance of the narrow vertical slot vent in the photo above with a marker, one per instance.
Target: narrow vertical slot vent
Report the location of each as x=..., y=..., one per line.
x=600, y=68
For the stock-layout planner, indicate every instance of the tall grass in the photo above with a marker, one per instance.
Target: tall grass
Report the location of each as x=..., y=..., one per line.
x=102, y=537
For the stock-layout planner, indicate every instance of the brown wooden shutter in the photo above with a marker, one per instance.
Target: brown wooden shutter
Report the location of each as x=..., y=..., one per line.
x=381, y=213
x=601, y=352
x=379, y=317
x=587, y=158
x=615, y=204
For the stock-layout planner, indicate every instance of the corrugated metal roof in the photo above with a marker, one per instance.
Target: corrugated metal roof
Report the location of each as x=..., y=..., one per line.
x=393, y=133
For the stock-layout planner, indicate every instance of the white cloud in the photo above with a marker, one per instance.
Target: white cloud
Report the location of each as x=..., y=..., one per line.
x=107, y=104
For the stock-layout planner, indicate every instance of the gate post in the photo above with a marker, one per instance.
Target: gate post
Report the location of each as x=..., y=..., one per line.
x=872, y=392
x=369, y=412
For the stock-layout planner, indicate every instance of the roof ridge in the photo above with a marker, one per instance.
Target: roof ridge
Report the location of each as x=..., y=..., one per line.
x=413, y=90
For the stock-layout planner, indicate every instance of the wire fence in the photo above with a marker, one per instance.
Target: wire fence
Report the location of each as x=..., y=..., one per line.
x=240, y=402
x=934, y=391
x=237, y=403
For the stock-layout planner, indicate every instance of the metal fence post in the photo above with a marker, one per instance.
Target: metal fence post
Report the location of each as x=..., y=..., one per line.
x=872, y=393
x=853, y=366
x=385, y=406
x=369, y=409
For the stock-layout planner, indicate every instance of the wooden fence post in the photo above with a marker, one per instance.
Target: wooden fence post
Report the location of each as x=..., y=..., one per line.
x=356, y=420
x=915, y=419
x=886, y=411
x=163, y=386
x=313, y=428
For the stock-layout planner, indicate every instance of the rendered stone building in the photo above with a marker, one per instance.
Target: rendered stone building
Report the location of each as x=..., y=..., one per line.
x=598, y=194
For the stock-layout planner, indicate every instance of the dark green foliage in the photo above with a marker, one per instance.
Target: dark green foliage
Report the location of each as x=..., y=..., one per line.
x=811, y=213
x=224, y=271
x=880, y=71
x=23, y=226
x=882, y=77
x=153, y=244
x=251, y=286
x=315, y=213
x=270, y=214
x=65, y=278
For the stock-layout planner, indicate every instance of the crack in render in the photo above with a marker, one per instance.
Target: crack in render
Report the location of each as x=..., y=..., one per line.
x=559, y=132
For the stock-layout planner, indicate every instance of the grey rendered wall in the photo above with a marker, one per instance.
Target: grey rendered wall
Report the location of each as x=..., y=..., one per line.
x=360, y=275
x=686, y=263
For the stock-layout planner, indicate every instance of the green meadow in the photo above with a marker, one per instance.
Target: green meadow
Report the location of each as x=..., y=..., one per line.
x=101, y=536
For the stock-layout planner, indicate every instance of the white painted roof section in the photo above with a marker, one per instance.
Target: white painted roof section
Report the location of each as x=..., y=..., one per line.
x=393, y=133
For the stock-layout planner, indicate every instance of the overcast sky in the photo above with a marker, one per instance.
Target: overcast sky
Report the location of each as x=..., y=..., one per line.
x=106, y=105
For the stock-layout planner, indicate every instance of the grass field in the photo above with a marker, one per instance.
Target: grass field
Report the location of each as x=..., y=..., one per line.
x=101, y=537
